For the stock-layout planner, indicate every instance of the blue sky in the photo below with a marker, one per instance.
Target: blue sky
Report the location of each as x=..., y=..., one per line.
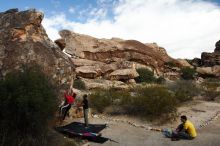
x=72, y=8
x=185, y=28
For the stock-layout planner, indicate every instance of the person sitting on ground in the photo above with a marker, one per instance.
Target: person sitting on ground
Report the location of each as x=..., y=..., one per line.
x=69, y=100
x=186, y=130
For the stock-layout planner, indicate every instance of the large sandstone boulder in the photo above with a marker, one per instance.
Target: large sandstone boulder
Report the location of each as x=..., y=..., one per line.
x=113, y=50
x=123, y=74
x=196, y=62
x=157, y=48
x=108, y=68
x=171, y=75
x=209, y=71
x=23, y=40
x=61, y=43
x=91, y=72
x=209, y=63
x=217, y=47
x=86, y=62
x=211, y=59
x=184, y=63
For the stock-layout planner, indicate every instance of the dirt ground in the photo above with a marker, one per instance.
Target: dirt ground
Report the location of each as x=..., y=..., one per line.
x=124, y=134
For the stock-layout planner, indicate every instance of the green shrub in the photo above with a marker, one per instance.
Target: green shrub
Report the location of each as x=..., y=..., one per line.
x=210, y=87
x=79, y=84
x=171, y=64
x=188, y=73
x=145, y=75
x=211, y=84
x=150, y=102
x=184, y=90
x=28, y=103
x=160, y=80
x=210, y=95
x=100, y=99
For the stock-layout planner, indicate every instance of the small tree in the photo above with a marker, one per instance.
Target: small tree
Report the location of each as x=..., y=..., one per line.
x=79, y=84
x=100, y=99
x=188, y=73
x=150, y=102
x=170, y=64
x=145, y=75
x=28, y=103
x=160, y=80
x=184, y=90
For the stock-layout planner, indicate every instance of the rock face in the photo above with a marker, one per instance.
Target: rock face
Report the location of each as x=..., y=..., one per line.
x=209, y=65
x=211, y=59
x=88, y=72
x=156, y=48
x=61, y=43
x=123, y=74
x=23, y=40
x=184, y=63
x=217, y=47
x=196, y=62
x=213, y=71
x=114, y=56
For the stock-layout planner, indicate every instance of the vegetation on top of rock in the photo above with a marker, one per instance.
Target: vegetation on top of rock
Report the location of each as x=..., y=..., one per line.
x=160, y=80
x=188, y=73
x=79, y=84
x=28, y=103
x=145, y=75
x=170, y=64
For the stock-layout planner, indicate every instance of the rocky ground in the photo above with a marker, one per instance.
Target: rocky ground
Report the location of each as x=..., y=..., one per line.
x=121, y=130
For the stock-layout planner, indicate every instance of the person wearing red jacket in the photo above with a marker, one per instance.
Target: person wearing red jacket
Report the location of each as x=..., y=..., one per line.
x=69, y=100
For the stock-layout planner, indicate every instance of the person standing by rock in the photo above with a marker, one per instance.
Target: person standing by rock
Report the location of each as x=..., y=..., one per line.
x=85, y=105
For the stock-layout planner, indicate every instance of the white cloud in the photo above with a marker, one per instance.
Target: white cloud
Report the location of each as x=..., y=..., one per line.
x=71, y=10
x=98, y=13
x=185, y=28
x=27, y=7
x=54, y=24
